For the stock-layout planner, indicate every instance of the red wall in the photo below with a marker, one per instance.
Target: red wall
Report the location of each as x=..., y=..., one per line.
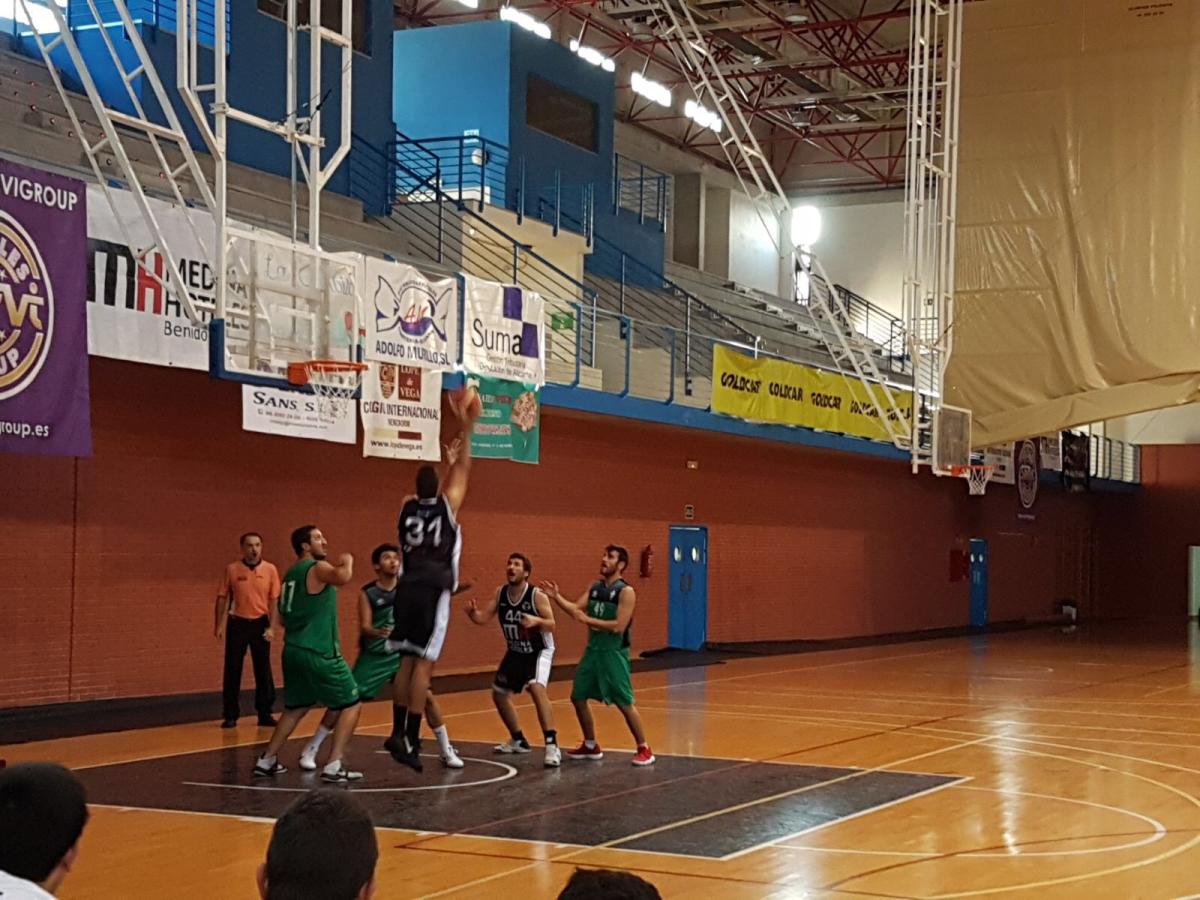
x=119, y=555
x=1146, y=574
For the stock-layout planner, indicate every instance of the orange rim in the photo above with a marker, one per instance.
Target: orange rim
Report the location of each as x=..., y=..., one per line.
x=298, y=372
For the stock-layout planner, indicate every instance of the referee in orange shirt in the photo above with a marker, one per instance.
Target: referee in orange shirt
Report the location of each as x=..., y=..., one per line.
x=248, y=593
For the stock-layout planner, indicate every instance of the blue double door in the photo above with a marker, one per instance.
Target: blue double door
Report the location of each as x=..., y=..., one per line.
x=687, y=609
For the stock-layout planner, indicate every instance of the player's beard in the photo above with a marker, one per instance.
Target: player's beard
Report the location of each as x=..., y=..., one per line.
x=319, y=556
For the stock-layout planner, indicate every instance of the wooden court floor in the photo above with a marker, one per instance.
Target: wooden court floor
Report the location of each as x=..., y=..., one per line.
x=1029, y=764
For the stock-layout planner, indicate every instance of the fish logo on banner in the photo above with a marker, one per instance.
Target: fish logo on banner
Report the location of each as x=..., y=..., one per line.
x=507, y=327
x=414, y=320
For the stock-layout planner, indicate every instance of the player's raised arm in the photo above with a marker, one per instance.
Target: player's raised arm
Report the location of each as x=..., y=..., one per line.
x=570, y=606
x=335, y=575
x=458, y=454
x=483, y=613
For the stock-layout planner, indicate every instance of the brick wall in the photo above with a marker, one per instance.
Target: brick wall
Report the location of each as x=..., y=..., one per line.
x=120, y=554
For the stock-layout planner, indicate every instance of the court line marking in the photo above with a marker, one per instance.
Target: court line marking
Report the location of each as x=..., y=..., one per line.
x=612, y=845
x=510, y=772
x=1160, y=831
x=862, y=812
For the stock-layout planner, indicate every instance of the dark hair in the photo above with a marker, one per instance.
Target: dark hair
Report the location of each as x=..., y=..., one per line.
x=245, y=537
x=301, y=536
x=524, y=561
x=43, y=808
x=377, y=553
x=322, y=848
x=605, y=884
x=427, y=482
x=622, y=554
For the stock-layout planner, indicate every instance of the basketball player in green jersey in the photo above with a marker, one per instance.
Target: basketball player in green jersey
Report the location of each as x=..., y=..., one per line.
x=375, y=667
x=604, y=674
x=314, y=672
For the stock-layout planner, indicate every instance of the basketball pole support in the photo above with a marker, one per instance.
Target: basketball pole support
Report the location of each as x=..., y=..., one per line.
x=852, y=354
x=210, y=111
x=930, y=208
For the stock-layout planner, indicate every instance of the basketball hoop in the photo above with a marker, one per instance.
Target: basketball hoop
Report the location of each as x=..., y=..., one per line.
x=977, y=477
x=333, y=382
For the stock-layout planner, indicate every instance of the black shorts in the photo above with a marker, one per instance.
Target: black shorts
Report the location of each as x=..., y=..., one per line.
x=520, y=669
x=422, y=616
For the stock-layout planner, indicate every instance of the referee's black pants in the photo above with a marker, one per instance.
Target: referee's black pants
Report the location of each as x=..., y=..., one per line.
x=241, y=634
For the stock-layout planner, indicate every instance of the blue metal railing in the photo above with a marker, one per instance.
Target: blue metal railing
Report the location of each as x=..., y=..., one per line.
x=640, y=190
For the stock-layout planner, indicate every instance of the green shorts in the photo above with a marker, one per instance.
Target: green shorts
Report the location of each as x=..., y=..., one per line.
x=310, y=679
x=604, y=675
x=373, y=670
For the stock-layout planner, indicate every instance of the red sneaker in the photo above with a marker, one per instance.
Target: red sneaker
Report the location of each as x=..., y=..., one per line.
x=583, y=751
x=644, y=756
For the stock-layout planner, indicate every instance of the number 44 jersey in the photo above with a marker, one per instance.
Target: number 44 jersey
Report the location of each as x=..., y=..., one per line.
x=429, y=537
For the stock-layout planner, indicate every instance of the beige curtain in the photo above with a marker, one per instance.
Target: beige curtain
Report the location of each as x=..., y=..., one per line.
x=1078, y=224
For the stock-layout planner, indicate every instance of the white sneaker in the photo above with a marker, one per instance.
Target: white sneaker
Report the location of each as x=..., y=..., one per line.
x=553, y=757
x=451, y=759
x=308, y=762
x=513, y=746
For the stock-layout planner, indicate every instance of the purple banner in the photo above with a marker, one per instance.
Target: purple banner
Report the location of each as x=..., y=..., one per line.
x=44, y=405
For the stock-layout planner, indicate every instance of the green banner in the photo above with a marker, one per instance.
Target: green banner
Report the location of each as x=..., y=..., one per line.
x=510, y=424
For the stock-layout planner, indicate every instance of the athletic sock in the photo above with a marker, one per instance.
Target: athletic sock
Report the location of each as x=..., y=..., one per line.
x=412, y=729
x=311, y=748
x=399, y=716
x=443, y=739
x=591, y=745
x=519, y=737
x=267, y=761
x=551, y=737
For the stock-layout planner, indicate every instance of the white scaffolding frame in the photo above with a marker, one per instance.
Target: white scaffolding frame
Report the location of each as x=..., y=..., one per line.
x=852, y=354
x=209, y=108
x=930, y=203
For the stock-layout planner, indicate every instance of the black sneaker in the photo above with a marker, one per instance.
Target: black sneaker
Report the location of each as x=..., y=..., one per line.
x=409, y=756
x=276, y=768
x=341, y=776
x=229, y=723
x=267, y=722
x=393, y=745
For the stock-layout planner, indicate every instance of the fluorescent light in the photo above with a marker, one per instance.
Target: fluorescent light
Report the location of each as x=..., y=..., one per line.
x=526, y=21
x=702, y=115
x=651, y=90
x=592, y=55
x=806, y=226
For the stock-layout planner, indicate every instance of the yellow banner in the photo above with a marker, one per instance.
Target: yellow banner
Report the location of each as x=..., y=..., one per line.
x=774, y=390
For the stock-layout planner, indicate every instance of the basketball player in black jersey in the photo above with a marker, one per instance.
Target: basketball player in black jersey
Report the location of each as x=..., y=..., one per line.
x=430, y=542
x=527, y=622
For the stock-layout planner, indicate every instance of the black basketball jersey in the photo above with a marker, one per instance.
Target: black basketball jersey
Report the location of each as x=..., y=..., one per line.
x=520, y=639
x=429, y=536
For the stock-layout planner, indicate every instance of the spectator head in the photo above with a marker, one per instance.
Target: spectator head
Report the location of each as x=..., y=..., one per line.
x=606, y=884
x=43, y=808
x=323, y=848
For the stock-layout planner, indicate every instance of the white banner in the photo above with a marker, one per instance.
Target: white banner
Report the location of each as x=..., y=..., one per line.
x=1001, y=461
x=402, y=412
x=131, y=316
x=293, y=414
x=505, y=332
x=1050, y=446
x=410, y=320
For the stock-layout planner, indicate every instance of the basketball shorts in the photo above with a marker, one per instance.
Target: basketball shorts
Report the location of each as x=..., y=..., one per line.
x=604, y=675
x=422, y=615
x=373, y=670
x=310, y=679
x=520, y=669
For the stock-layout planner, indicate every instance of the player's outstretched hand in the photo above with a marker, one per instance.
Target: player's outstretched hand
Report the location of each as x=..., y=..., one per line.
x=452, y=450
x=551, y=589
x=472, y=608
x=578, y=614
x=345, y=560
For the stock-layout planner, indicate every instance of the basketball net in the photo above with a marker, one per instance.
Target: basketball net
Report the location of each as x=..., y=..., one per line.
x=334, y=385
x=977, y=478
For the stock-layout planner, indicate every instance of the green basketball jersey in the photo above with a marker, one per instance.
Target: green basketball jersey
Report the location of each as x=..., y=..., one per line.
x=603, y=600
x=310, y=619
x=382, y=615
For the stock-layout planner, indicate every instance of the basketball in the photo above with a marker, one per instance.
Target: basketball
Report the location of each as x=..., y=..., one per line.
x=466, y=402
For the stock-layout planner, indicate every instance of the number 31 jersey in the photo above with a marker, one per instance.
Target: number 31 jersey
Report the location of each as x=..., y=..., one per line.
x=429, y=536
